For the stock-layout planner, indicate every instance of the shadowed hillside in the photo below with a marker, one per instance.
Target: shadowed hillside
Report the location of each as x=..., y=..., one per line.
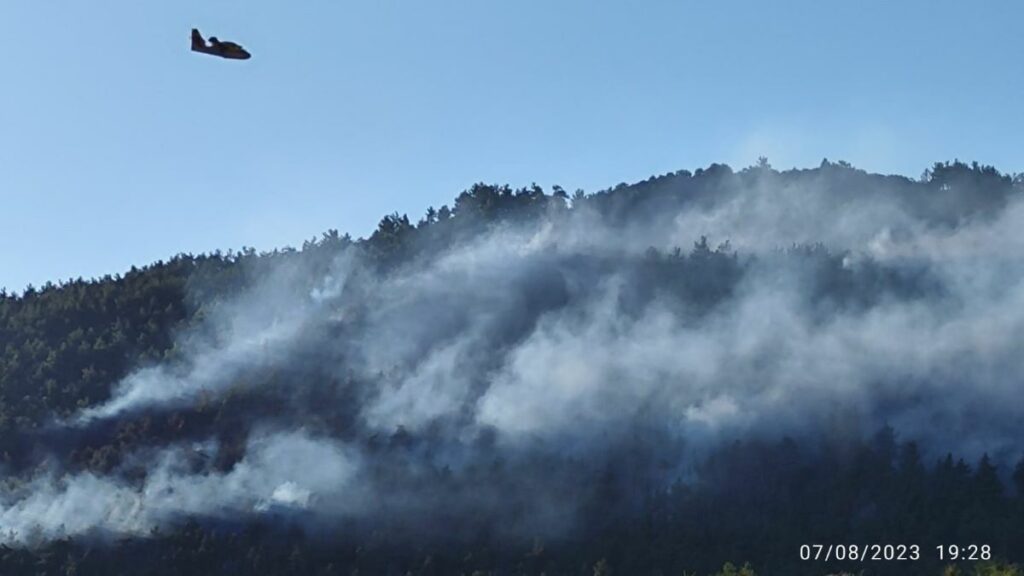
x=665, y=376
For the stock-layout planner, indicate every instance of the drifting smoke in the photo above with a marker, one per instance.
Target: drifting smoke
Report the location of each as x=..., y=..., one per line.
x=260, y=482
x=476, y=380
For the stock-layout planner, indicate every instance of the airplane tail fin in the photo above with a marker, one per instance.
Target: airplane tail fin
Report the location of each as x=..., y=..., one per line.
x=198, y=42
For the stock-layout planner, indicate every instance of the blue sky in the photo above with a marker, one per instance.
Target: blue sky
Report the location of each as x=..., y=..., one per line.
x=118, y=146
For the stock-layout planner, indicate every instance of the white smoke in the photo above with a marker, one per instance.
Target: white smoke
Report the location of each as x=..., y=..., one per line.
x=521, y=332
x=287, y=471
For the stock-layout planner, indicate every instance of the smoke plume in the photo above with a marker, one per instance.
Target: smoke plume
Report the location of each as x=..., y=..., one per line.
x=475, y=379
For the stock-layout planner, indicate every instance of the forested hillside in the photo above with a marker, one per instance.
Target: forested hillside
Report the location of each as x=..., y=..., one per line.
x=657, y=378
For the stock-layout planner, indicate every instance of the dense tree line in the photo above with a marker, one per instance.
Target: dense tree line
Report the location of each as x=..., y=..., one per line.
x=880, y=491
x=63, y=347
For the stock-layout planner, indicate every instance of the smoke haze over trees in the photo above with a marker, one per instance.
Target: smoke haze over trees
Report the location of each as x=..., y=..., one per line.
x=697, y=368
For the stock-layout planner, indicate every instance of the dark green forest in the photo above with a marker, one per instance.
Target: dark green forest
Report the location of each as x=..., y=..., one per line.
x=641, y=496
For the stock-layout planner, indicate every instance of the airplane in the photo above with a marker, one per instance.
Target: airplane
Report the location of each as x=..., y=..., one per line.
x=228, y=50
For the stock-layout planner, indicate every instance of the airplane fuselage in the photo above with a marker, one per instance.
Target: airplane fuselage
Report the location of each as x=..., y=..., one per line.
x=229, y=50
x=239, y=54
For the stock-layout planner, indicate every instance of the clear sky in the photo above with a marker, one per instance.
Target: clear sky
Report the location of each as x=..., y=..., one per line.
x=119, y=146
